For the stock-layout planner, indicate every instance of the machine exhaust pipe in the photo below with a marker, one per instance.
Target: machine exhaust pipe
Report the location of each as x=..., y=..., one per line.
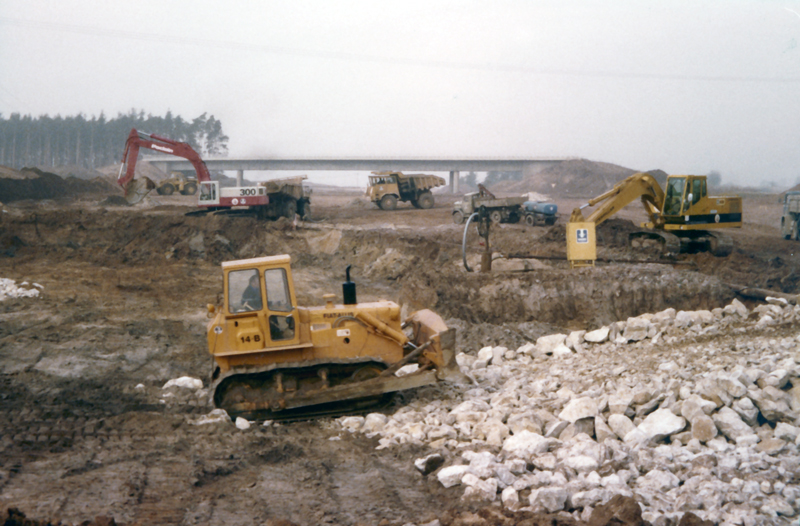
x=349, y=289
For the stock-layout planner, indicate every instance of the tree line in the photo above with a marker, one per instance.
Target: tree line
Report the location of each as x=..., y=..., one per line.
x=46, y=141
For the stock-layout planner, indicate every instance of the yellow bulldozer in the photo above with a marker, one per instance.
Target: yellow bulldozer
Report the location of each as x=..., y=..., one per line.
x=679, y=217
x=277, y=360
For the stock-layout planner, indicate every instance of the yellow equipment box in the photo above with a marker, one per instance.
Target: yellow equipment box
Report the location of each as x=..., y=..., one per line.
x=581, y=244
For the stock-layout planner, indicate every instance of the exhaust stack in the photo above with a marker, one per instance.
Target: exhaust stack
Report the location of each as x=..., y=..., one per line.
x=349, y=289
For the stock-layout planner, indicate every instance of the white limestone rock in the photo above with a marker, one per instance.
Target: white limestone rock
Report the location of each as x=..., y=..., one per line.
x=478, y=488
x=703, y=428
x=185, y=382
x=620, y=424
x=736, y=308
x=745, y=408
x=451, y=475
x=551, y=499
x=525, y=445
x=731, y=424
x=662, y=423
x=510, y=498
x=575, y=340
x=787, y=432
x=578, y=408
x=773, y=404
x=547, y=344
x=597, y=336
x=374, y=423
x=242, y=423
x=636, y=329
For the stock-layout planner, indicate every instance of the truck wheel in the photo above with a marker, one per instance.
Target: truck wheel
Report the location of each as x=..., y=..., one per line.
x=458, y=217
x=388, y=202
x=795, y=234
x=415, y=203
x=189, y=189
x=167, y=189
x=496, y=216
x=289, y=209
x=550, y=221
x=530, y=220
x=425, y=200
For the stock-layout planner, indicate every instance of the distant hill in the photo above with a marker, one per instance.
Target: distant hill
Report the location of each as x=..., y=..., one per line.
x=575, y=177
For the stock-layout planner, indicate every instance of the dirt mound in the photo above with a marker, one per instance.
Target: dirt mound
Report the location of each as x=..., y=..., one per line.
x=574, y=178
x=38, y=184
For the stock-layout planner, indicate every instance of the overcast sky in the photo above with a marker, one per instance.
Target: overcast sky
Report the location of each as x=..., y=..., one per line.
x=684, y=86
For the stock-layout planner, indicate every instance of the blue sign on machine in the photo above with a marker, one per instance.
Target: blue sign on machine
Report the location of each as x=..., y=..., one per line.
x=582, y=235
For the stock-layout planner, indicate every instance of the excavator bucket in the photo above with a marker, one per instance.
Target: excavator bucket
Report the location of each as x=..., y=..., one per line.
x=137, y=189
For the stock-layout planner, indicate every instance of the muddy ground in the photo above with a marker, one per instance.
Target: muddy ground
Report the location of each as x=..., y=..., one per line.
x=86, y=428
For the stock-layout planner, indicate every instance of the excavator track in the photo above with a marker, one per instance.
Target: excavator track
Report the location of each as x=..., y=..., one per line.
x=719, y=244
x=670, y=243
x=300, y=393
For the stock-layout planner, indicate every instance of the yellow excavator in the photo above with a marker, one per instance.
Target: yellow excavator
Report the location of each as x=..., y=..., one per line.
x=679, y=216
x=276, y=360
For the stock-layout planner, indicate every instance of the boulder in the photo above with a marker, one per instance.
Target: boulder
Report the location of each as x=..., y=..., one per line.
x=579, y=408
x=597, y=336
x=551, y=499
x=547, y=344
x=731, y=424
x=451, y=475
x=525, y=445
x=662, y=423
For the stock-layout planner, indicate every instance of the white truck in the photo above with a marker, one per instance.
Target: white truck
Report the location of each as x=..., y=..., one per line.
x=790, y=222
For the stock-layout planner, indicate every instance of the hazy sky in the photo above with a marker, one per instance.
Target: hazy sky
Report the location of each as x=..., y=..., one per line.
x=684, y=86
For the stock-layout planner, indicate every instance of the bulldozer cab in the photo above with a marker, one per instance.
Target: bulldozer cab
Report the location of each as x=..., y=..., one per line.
x=260, y=304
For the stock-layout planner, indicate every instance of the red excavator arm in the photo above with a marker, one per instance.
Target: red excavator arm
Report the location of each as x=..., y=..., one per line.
x=136, y=192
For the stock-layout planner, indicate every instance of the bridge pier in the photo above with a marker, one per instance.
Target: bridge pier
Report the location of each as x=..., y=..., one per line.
x=239, y=177
x=455, y=175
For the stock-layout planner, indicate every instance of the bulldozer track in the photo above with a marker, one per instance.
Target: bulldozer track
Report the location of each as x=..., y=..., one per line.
x=258, y=395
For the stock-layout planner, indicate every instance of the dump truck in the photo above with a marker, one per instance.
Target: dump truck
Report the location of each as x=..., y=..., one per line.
x=266, y=200
x=177, y=182
x=679, y=217
x=790, y=222
x=504, y=209
x=387, y=188
x=274, y=359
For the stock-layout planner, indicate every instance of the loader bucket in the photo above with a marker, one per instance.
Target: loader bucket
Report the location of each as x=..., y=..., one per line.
x=137, y=189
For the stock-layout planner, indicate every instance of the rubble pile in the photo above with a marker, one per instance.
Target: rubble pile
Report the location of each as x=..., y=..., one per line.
x=684, y=411
x=10, y=289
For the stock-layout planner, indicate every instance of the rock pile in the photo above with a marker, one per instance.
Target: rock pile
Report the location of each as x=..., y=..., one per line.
x=684, y=411
x=10, y=289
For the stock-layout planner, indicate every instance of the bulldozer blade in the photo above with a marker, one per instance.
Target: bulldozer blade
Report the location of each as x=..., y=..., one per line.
x=138, y=189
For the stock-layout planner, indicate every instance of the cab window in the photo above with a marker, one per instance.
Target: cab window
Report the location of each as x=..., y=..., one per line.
x=698, y=190
x=278, y=298
x=672, y=201
x=244, y=291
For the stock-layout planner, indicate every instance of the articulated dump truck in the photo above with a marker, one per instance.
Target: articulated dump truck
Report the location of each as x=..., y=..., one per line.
x=276, y=360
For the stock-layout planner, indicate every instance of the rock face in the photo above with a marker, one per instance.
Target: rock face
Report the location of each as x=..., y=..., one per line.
x=633, y=423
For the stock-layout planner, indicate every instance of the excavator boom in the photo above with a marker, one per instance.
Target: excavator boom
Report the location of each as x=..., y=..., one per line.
x=639, y=185
x=136, y=190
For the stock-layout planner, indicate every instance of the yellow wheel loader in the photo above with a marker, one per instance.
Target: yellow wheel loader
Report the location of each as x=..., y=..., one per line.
x=277, y=360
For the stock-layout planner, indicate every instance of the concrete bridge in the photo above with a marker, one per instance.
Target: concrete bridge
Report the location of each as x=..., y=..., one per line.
x=454, y=166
